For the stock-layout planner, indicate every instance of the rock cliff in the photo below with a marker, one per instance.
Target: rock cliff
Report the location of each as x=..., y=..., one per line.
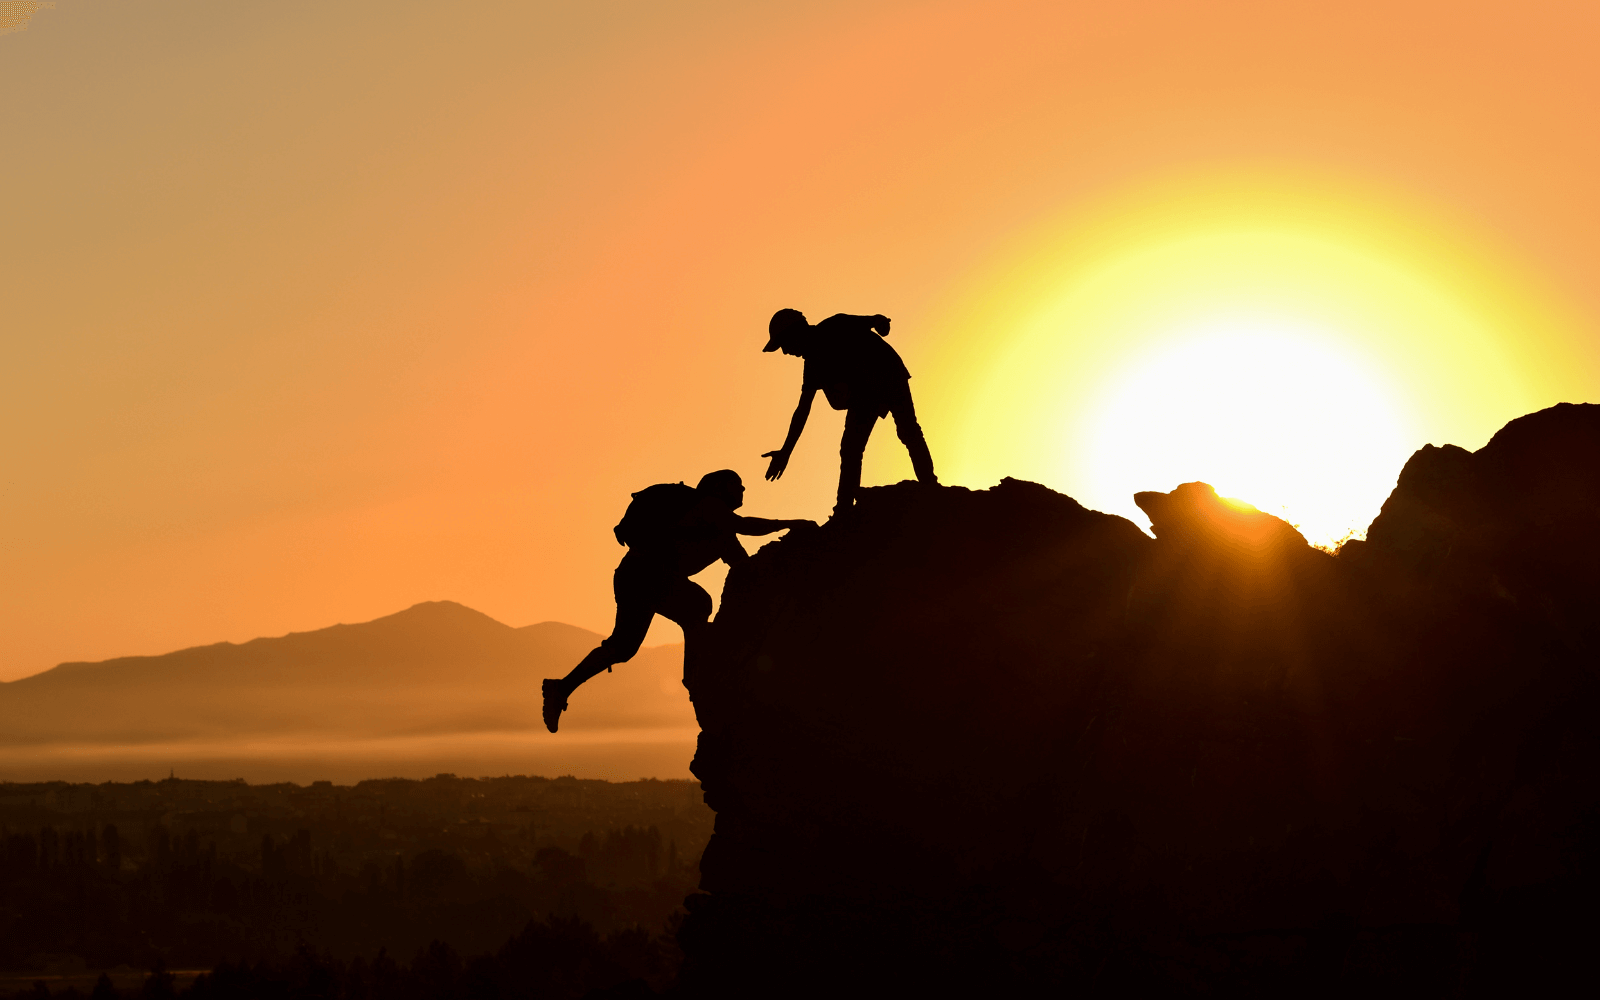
x=994, y=741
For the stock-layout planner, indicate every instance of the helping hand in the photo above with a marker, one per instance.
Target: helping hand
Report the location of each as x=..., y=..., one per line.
x=780, y=461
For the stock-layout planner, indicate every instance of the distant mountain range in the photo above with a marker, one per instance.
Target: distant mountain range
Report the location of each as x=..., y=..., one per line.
x=436, y=668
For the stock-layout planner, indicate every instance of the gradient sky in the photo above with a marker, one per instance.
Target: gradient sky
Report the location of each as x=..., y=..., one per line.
x=310, y=312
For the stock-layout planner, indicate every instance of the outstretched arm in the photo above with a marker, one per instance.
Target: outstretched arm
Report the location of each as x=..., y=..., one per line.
x=734, y=553
x=767, y=525
x=797, y=423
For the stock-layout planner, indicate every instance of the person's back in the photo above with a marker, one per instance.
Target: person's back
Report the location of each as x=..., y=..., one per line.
x=650, y=525
x=678, y=526
x=846, y=358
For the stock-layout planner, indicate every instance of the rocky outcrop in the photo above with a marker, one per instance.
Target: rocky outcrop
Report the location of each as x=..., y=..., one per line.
x=1513, y=525
x=995, y=741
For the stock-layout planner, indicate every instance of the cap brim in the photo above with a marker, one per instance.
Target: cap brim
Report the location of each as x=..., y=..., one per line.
x=772, y=345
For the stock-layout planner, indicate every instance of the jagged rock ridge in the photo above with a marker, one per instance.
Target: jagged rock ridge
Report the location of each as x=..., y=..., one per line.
x=994, y=740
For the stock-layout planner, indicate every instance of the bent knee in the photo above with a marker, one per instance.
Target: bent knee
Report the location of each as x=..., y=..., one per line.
x=620, y=649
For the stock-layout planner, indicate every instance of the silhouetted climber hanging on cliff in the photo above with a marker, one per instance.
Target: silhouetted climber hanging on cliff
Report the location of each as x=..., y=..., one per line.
x=847, y=358
x=672, y=531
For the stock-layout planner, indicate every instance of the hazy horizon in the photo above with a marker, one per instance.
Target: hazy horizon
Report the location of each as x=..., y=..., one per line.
x=436, y=687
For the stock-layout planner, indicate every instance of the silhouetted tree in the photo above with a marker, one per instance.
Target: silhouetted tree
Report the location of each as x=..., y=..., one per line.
x=158, y=985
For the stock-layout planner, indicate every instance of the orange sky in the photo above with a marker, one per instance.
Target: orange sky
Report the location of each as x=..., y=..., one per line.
x=314, y=311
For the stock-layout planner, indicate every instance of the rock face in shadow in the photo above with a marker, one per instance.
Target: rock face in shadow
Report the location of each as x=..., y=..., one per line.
x=993, y=741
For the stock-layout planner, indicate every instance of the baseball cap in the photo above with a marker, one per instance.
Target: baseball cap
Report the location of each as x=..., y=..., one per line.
x=781, y=323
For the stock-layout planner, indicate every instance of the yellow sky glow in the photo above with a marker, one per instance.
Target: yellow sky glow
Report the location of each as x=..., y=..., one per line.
x=1290, y=341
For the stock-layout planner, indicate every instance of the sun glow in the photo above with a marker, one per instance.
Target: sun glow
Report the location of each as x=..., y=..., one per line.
x=1271, y=412
x=1289, y=343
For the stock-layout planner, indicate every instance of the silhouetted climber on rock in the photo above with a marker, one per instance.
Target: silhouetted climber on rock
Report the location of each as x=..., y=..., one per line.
x=672, y=532
x=847, y=358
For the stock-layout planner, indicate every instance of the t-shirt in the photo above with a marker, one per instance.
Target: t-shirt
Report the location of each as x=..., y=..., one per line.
x=704, y=535
x=849, y=362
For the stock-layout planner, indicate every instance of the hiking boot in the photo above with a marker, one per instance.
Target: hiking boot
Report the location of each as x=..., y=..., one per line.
x=555, y=702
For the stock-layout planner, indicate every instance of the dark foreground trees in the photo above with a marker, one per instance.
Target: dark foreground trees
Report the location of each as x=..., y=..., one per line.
x=553, y=959
x=558, y=958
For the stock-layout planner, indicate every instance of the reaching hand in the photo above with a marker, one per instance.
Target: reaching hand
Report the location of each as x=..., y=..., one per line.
x=780, y=461
x=801, y=525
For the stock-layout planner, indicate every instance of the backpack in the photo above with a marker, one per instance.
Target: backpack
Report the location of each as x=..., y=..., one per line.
x=654, y=513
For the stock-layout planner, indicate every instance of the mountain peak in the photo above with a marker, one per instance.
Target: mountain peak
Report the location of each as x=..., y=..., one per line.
x=449, y=609
x=432, y=614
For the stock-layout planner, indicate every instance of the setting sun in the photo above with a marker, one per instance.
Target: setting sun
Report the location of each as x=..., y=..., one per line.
x=1288, y=340
x=1260, y=409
